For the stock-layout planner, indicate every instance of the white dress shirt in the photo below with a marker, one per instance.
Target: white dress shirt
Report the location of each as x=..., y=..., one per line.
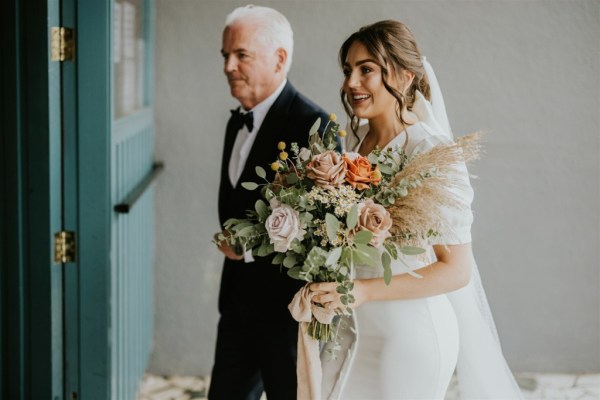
x=244, y=141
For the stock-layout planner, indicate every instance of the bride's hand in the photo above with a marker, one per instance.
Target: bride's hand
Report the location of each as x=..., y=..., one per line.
x=327, y=295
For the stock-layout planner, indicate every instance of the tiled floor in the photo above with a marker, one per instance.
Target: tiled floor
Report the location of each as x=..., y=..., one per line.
x=535, y=386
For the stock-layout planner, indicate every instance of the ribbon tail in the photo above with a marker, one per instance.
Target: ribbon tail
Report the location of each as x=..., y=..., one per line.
x=308, y=367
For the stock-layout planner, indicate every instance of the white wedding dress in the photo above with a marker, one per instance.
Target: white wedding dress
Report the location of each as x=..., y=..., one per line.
x=409, y=349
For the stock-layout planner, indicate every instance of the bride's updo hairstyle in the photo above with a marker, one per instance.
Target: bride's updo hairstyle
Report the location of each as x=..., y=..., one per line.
x=394, y=48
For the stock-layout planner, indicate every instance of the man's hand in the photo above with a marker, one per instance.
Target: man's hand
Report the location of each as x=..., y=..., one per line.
x=226, y=249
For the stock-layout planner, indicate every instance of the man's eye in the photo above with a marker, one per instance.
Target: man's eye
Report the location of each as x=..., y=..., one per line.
x=242, y=56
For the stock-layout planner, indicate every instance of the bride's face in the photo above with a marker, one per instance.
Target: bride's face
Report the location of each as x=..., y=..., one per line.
x=363, y=84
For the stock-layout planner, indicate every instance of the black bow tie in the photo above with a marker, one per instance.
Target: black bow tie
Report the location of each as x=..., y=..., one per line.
x=239, y=119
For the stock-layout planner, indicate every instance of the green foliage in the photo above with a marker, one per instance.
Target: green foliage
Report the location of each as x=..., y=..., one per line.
x=363, y=237
x=249, y=185
x=260, y=171
x=411, y=250
x=352, y=217
x=332, y=226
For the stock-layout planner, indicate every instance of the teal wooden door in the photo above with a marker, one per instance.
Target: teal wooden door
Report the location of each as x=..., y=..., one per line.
x=109, y=295
x=131, y=195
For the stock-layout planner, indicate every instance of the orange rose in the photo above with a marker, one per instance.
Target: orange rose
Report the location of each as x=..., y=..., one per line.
x=359, y=173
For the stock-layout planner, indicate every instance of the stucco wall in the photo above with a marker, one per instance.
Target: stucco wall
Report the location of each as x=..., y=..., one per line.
x=527, y=71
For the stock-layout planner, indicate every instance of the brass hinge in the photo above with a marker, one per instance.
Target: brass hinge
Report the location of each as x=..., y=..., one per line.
x=64, y=247
x=62, y=46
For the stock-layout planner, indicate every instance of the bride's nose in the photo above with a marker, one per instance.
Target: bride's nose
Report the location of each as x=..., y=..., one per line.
x=352, y=81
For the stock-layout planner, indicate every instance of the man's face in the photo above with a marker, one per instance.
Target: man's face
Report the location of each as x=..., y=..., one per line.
x=253, y=69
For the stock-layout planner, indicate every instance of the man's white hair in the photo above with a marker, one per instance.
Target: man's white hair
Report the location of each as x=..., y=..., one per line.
x=275, y=29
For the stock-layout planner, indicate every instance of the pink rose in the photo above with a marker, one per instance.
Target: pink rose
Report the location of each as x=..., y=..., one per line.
x=376, y=219
x=283, y=226
x=327, y=170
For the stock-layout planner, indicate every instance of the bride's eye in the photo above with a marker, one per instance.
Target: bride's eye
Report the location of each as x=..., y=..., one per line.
x=365, y=70
x=346, y=72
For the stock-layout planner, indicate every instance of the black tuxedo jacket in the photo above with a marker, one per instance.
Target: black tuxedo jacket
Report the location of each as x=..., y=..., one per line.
x=260, y=288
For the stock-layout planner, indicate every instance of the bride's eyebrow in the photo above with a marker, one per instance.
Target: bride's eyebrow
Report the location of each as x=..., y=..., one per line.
x=360, y=62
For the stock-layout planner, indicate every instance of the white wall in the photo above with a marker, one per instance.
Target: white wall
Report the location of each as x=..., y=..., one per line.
x=527, y=71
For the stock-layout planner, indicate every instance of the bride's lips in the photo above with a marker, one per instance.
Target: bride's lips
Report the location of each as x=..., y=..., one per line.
x=359, y=98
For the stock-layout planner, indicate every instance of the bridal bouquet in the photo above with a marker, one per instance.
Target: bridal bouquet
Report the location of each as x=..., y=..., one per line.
x=325, y=212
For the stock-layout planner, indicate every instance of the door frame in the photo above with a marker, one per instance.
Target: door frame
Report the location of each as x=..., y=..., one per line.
x=30, y=172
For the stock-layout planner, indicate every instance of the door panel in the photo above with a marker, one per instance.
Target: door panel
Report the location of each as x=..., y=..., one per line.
x=113, y=295
x=132, y=246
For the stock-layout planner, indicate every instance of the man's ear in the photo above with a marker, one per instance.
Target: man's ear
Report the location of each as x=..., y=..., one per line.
x=281, y=55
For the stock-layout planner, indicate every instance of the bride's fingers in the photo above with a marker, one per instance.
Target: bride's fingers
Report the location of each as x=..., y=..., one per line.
x=325, y=298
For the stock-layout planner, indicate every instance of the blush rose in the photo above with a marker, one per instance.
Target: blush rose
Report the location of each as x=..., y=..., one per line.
x=283, y=226
x=327, y=170
x=376, y=219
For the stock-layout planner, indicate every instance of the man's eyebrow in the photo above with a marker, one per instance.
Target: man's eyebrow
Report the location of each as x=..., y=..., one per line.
x=239, y=50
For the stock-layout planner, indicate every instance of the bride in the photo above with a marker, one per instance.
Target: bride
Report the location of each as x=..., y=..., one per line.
x=405, y=339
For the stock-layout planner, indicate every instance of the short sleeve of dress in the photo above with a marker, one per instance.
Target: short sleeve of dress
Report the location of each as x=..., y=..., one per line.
x=458, y=219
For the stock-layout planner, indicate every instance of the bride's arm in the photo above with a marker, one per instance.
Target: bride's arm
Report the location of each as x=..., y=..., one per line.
x=450, y=272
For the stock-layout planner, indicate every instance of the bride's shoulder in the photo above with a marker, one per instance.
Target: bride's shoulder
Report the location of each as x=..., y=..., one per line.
x=422, y=138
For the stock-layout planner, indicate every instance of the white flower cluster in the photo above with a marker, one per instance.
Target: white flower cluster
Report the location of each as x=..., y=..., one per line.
x=342, y=198
x=321, y=231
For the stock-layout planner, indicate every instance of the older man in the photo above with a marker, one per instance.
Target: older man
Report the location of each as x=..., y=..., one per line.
x=256, y=343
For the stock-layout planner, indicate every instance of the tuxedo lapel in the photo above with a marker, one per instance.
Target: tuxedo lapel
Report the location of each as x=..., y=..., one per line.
x=230, y=135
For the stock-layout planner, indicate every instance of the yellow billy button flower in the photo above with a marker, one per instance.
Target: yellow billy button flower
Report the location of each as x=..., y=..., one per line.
x=283, y=156
x=332, y=117
x=281, y=146
x=275, y=166
x=342, y=133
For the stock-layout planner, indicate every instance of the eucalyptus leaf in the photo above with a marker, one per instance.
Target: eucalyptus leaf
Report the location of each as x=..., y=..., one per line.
x=363, y=237
x=260, y=171
x=290, y=260
x=334, y=256
x=242, y=225
x=315, y=126
x=391, y=248
x=362, y=258
x=411, y=250
x=278, y=259
x=306, y=217
x=341, y=289
x=332, y=226
x=387, y=269
x=249, y=185
x=367, y=254
x=261, y=209
x=247, y=231
x=352, y=217
x=386, y=169
x=295, y=273
x=263, y=250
